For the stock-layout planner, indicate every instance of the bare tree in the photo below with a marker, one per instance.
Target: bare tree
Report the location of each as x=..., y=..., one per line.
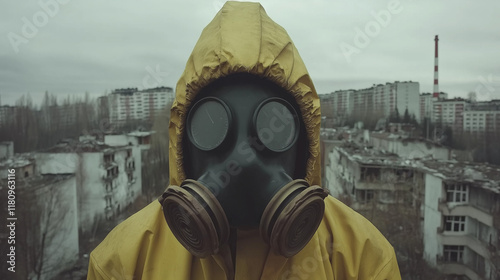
x=47, y=223
x=155, y=173
x=400, y=224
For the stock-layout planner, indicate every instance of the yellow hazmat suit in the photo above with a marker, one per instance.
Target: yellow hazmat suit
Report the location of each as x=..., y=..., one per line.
x=242, y=38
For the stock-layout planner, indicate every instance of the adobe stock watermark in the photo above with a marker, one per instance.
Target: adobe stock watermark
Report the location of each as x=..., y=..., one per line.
x=487, y=86
x=30, y=27
x=154, y=77
x=363, y=37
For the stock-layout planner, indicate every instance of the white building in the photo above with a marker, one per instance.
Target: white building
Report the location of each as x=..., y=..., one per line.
x=408, y=97
x=462, y=219
x=108, y=178
x=465, y=116
x=140, y=139
x=131, y=104
x=482, y=117
x=450, y=112
x=426, y=104
x=363, y=102
x=378, y=100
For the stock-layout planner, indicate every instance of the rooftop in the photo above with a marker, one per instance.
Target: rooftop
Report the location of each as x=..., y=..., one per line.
x=370, y=156
x=73, y=146
x=456, y=99
x=402, y=138
x=158, y=89
x=482, y=174
x=140, y=133
x=19, y=160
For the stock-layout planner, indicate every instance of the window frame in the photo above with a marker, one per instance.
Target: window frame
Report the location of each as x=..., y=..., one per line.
x=454, y=223
x=450, y=250
x=459, y=193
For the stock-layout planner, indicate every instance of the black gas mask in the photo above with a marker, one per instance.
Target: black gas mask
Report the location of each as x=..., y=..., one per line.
x=245, y=153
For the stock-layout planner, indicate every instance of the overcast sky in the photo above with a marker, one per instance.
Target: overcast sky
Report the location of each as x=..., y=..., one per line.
x=97, y=46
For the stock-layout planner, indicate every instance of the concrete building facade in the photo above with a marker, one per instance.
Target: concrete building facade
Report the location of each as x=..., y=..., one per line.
x=378, y=101
x=426, y=104
x=482, y=118
x=450, y=112
x=131, y=104
x=367, y=176
x=461, y=224
x=108, y=178
x=458, y=203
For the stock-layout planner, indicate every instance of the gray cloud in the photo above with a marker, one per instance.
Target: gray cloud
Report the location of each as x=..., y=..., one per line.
x=96, y=45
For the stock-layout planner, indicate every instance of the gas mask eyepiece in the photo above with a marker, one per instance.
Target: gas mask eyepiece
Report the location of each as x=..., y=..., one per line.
x=208, y=123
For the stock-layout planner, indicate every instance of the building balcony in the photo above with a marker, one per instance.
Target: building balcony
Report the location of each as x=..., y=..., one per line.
x=451, y=209
x=109, y=178
x=452, y=238
x=458, y=268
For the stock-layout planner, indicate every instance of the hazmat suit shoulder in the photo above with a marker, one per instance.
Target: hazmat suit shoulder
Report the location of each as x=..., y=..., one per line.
x=243, y=39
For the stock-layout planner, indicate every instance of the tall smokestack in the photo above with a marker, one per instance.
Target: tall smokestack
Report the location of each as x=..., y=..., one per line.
x=435, y=95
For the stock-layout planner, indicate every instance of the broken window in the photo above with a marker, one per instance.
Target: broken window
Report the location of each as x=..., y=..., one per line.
x=108, y=202
x=370, y=174
x=453, y=253
x=482, y=199
x=365, y=196
x=404, y=174
x=109, y=158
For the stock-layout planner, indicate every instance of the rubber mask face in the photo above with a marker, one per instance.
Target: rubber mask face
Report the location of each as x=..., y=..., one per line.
x=245, y=151
x=242, y=144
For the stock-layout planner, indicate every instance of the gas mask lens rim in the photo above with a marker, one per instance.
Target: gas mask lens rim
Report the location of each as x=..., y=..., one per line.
x=208, y=123
x=271, y=129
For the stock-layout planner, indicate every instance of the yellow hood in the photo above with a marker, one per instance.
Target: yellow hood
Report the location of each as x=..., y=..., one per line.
x=242, y=38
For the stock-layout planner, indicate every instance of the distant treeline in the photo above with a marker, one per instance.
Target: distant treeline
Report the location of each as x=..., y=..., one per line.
x=33, y=127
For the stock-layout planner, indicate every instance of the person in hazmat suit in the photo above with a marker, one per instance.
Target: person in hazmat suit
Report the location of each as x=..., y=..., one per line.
x=243, y=200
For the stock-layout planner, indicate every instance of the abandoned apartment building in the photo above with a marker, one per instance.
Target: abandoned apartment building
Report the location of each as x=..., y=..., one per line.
x=365, y=176
x=80, y=184
x=458, y=203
